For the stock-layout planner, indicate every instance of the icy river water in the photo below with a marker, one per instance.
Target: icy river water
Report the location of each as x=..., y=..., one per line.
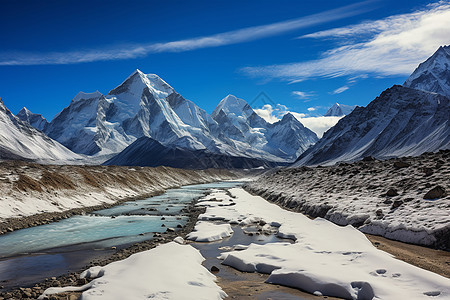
x=33, y=254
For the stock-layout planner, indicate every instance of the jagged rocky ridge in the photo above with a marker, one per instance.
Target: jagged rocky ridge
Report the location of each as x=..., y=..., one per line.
x=19, y=140
x=433, y=75
x=35, y=120
x=402, y=121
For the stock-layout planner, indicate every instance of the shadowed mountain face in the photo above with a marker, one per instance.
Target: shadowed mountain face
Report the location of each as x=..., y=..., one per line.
x=35, y=120
x=150, y=153
x=339, y=110
x=402, y=121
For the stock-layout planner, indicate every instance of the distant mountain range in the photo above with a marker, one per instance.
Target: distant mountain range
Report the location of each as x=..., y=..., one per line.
x=144, y=105
x=403, y=121
x=144, y=121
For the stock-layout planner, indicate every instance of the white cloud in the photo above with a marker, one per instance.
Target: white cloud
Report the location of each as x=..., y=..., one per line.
x=216, y=40
x=316, y=124
x=319, y=125
x=311, y=108
x=271, y=114
x=340, y=90
x=303, y=95
x=391, y=46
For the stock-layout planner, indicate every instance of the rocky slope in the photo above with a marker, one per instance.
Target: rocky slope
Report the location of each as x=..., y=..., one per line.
x=150, y=153
x=403, y=120
x=404, y=199
x=400, y=122
x=433, y=75
x=35, y=120
x=29, y=189
x=19, y=140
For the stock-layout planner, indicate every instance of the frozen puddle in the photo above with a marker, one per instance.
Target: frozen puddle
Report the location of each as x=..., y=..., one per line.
x=325, y=259
x=33, y=254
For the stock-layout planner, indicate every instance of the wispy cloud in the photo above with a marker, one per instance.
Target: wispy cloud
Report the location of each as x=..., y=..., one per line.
x=227, y=38
x=391, y=46
x=340, y=90
x=303, y=95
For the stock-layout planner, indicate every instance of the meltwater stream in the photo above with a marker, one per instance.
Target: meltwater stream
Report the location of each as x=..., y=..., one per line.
x=33, y=254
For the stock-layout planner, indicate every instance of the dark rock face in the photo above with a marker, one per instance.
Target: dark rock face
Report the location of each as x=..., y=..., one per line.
x=401, y=165
x=435, y=193
x=150, y=153
x=397, y=123
x=396, y=204
x=392, y=193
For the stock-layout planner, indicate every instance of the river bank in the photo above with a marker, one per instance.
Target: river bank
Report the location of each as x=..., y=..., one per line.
x=34, y=194
x=32, y=292
x=404, y=199
x=235, y=283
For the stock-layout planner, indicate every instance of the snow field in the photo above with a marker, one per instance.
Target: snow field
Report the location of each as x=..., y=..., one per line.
x=326, y=259
x=169, y=271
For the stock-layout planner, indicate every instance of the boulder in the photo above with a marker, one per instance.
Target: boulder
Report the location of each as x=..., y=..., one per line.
x=401, y=164
x=435, y=193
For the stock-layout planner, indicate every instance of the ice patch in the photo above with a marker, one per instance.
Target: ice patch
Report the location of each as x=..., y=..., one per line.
x=208, y=232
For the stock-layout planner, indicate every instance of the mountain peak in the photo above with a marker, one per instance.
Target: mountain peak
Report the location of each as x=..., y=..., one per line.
x=289, y=117
x=433, y=75
x=339, y=110
x=233, y=105
x=24, y=111
x=84, y=96
x=138, y=81
x=35, y=120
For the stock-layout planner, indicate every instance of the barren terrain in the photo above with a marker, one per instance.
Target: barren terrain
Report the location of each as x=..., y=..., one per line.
x=405, y=199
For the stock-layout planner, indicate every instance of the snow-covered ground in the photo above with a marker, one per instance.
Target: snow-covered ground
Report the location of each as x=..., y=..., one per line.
x=326, y=259
x=169, y=271
x=209, y=232
x=378, y=197
x=29, y=189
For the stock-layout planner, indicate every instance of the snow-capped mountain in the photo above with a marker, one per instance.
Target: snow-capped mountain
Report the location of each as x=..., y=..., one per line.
x=433, y=75
x=19, y=140
x=35, y=120
x=284, y=139
x=146, y=106
x=339, y=110
x=76, y=126
x=402, y=121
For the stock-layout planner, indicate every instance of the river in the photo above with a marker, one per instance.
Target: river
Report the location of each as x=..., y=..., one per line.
x=30, y=255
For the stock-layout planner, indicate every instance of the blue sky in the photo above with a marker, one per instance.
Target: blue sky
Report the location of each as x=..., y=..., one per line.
x=305, y=55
